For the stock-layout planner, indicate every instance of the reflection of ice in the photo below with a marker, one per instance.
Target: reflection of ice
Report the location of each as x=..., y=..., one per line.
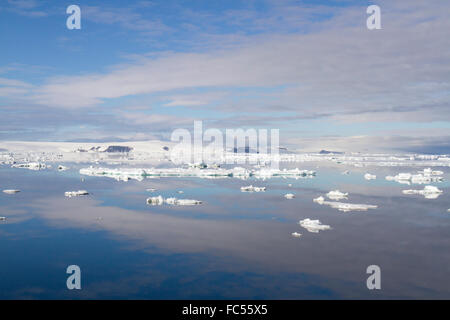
x=337, y=195
x=313, y=225
x=345, y=207
x=159, y=200
x=76, y=193
x=429, y=192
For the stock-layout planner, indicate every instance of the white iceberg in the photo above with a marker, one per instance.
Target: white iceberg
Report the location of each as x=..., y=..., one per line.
x=76, y=193
x=337, y=195
x=313, y=225
x=11, y=191
x=429, y=192
x=289, y=196
x=369, y=176
x=251, y=188
x=296, y=234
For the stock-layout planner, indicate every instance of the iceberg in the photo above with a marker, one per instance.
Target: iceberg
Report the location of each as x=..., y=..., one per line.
x=369, y=176
x=337, y=195
x=296, y=234
x=313, y=225
x=289, y=196
x=251, y=188
x=11, y=191
x=76, y=193
x=429, y=192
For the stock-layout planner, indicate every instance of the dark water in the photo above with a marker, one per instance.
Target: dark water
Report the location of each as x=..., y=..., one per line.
x=235, y=245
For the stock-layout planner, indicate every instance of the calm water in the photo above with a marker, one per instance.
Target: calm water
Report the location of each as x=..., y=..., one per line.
x=235, y=245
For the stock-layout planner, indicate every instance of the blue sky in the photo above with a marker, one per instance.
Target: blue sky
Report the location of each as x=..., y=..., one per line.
x=139, y=69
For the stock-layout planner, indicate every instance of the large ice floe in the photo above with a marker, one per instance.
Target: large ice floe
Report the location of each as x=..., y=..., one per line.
x=251, y=188
x=345, y=207
x=421, y=177
x=337, y=195
x=70, y=194
x=313, y=225
x=123, y=174
x=159, y=200
x=429, y=192
x=11, y=191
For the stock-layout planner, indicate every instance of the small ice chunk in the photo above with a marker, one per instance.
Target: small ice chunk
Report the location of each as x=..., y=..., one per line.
x=429, y=192
x=296, y=234
x=369, y=176
x=313, y=225
x=319, y=200
x=346, y=172
x=11, y=191
x=2, y=218
x=180, y=191
x=76, y=193
x=251, y=188
x=150, y=189
x=154, y=201
x=289, y=196
x=62, y=168
x=337, y=195
x=345, y=207
x=187, y=202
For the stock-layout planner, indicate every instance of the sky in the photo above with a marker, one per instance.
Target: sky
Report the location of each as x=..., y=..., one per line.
x=138, y=70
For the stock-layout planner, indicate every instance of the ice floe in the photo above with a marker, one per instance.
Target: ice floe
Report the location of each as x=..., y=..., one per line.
x=421, y=177
x=76, y=193
x=159, y=200
x=313, y=225
x=429, y=192
x=296, y=234
x=251, y=188
x=337, y=195
x=30, y=165
x=289, y=196
x=11, y=191
x=369, y=176
x=345, y=207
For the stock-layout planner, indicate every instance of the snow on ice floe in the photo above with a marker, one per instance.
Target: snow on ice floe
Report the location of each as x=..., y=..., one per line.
x=159, y=200
x=296, y=234
x=289, y=196
x=429, y=192
x=421, y=177
x=11, y=191
x=251, y=188
x=345, y=207
x=76, y=193
x=30, y=165
x=369, y=176
x=313, y=225
x=125, y=174
x=337, y=195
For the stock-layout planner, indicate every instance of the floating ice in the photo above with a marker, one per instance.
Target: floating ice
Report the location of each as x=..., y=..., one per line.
x=180, y=191
x=76, y=193
x=313, y=225
x=172, y=201
x=11, y=191
x=30, y=165
x=2, y=218
x=429, y=192
x=337, y=195
x=346, y=172
x=369, y=176
x=289, y=196
x=422, y=177
x=345, y=207
x=296, y=234
x=151, y=189
x=62, y=168
x=251, y=188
